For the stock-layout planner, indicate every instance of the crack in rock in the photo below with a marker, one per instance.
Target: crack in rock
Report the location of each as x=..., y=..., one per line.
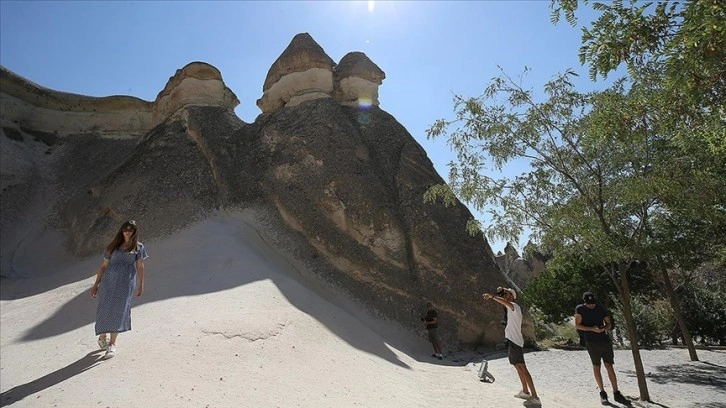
x=252, y=335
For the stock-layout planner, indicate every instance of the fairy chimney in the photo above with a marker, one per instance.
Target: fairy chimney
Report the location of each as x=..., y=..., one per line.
x=356, y=80
x=302, y=72
x=197, y=83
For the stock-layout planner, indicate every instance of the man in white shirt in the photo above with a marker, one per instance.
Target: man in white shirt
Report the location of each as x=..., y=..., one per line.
x=513, y=333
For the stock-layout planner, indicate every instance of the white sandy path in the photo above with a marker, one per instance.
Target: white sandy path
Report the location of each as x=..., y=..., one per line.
x=228, y=321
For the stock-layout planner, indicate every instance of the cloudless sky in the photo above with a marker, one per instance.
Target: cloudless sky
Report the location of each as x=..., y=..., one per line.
x=429, y=50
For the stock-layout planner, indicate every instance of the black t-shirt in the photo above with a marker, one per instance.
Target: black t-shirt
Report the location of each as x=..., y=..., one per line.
x=593, y=317
x=430, y=315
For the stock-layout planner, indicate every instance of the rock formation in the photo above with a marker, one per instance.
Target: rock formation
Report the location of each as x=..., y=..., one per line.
x=519, y=270
x=340, y=187
x=356, y=80
x=301, y=73
x=198, y=84
x=304, y=72
x=26, y=105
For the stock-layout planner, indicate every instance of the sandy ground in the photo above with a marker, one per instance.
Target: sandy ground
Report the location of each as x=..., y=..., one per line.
x=228, y=321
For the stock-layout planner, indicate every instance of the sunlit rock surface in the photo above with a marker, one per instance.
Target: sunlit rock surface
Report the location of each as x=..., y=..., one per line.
x=340, y=187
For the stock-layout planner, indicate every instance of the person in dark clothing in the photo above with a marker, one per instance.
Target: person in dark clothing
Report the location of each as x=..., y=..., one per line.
x=431, y=322
x=595, y=321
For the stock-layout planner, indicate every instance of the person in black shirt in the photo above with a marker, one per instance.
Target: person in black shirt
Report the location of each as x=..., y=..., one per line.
x=431, y=321
x=595, y=321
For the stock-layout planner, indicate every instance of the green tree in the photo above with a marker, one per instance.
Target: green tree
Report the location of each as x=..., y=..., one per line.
x=683, y=45
x=688, y=38
x=653, y=319
x=606, y=177
x=630, y=174
x=557, y=290
x=706, y=312
x=578, y=194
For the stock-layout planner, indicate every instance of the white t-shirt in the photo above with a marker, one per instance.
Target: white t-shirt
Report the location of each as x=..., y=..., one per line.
x=513, y=331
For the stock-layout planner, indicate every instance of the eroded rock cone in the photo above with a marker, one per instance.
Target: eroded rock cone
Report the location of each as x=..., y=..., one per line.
x=197, y=83
x=302, y=72
x=356, y=80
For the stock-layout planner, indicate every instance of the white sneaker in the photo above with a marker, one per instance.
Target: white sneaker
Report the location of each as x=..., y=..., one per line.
x=533, y=402
x=522, y=395
x=103, y=343
x=110, y=352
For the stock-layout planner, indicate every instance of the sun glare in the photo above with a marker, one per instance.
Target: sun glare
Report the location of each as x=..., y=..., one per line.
x=371, y=5
x=365, y=102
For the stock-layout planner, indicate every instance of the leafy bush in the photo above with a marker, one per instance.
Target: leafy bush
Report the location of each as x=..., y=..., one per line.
x=553, y=335
x=559, y=288
x=541, y=331
x=653, y=318
x=705, y=311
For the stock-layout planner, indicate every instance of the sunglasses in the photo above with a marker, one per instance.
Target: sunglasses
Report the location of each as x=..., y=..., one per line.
x=130, y=229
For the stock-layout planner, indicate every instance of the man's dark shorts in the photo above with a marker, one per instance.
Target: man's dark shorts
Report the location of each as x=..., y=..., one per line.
x=600, y=350
x=516, y=354
x=433, y=335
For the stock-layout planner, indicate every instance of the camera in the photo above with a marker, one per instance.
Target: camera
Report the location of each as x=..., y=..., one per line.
x=501, y=292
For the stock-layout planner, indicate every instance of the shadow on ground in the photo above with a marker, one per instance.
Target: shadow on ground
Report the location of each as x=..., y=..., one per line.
x=21, y=392
x=696, y=373
x=699, y=373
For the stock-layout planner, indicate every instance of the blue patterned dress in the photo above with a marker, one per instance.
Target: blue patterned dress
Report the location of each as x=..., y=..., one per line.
x=116, y=290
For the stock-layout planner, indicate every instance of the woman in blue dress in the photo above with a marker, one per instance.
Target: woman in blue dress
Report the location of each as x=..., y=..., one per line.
x=121, y=271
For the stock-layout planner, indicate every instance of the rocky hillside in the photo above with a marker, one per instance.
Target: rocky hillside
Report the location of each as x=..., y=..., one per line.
x=341, y=179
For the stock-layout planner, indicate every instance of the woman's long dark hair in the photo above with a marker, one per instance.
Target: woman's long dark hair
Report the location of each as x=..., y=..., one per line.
x=119, y=238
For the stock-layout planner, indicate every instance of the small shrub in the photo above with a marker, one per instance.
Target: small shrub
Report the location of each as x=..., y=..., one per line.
x=653, y=320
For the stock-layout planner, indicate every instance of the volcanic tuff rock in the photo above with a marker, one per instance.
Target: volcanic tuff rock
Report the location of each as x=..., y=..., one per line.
x=198, y=83
x=340, y=184
x=302, y=72
x=26, y=105
x=356, y=80
x=521, y=271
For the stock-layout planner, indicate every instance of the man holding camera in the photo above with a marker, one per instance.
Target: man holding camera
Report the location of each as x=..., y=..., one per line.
x=513, y=333
x=431, y=320
x=595, y=321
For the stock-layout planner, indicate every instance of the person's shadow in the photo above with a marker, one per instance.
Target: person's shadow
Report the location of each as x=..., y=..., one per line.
x=19, y=392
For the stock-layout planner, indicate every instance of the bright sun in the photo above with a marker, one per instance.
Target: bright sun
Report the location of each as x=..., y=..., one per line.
x=371, y=5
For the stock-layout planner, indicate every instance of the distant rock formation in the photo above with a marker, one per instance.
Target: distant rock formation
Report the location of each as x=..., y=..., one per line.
x=26, y=105
x=342, y=182
x=304, y=72
x=198, y=84
x=521, y=271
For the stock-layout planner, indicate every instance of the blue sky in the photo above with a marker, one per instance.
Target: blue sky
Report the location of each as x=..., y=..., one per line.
x=429, y=50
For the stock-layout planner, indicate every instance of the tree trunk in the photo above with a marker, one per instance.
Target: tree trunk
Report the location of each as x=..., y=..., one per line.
x=624, y=289
x=633, y=336
x=679, y=315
